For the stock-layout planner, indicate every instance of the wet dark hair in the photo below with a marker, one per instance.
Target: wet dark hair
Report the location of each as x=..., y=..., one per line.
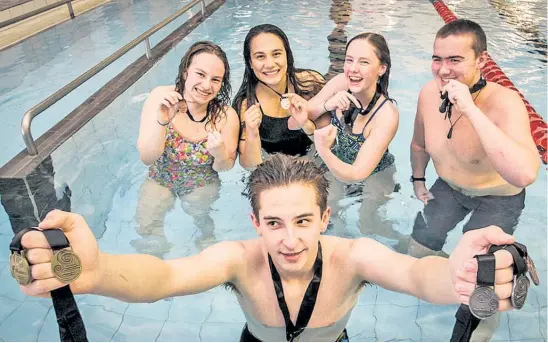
x=250, y=80
x=383, y=54
x=216, y=107
x=280, y=170
x=461, y=27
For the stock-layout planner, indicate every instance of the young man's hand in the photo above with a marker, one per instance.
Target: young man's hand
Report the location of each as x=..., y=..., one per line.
x=39, y=254
x=464, y=266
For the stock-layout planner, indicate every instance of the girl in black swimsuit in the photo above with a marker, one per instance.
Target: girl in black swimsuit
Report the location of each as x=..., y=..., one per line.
x=269, y=74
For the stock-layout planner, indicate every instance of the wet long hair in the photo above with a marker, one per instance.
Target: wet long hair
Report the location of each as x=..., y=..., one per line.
x=383, y=54
x=216, y=108
x=247, y=91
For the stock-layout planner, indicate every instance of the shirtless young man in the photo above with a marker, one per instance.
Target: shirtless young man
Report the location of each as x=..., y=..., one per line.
x=483, y=151
x=289, y=269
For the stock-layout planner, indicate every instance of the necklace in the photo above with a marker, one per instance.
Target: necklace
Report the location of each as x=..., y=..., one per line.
x=284, y=103
x=351, y=114
x=194, y=120
x=477, y=87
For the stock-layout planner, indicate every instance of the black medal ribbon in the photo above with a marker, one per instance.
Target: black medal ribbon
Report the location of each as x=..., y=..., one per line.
x=308, y=302
x=484, y=302
x=71, y=325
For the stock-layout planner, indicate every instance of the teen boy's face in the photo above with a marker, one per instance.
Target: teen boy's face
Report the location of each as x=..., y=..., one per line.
x=291, y=223
x=455, y=59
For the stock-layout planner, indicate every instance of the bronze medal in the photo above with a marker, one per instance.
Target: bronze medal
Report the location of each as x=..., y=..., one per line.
x=519, y=291
x=532, y=270
x=285, y=103
x=484, y=302
x=20, y=268
x=66, y=265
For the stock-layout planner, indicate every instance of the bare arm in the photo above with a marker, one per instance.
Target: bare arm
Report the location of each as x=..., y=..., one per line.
x=250, y=141
x=419, y=156
x=144, y=278
x=436, y=279
x=229, y=136
x=152, y=135
x=507, y=141
x=427, y=278
x=316, y=105
x=371, y=152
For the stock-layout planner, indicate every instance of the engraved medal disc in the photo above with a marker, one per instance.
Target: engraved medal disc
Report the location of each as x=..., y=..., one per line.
x=20, y=268
x=484, y=302
x=66, y=265
x=519, y=291
x=285, y=103
x=532, y=270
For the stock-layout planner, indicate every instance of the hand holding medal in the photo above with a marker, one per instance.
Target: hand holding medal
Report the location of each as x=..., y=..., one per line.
x=43, y=262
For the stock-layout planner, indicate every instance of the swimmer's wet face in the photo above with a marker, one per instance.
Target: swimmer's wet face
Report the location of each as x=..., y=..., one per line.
x=269, y=59
x=362, y=67
x=204, y=78
x=289, y=200
x=454, y=59
x=460, y=51
x=290, y=221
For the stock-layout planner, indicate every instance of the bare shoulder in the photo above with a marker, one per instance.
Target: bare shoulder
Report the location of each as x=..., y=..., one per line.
x=339, y=82
x=501, y=97
x=336, y=248
x=366, y=249
x=230, y=112
x=429, y=90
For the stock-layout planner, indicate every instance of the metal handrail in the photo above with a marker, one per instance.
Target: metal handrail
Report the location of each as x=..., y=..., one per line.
x=52, y=99
x=38, y=11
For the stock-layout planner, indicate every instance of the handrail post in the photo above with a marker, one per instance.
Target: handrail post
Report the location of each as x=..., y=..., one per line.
x=147, y=47
x=27, y=136
x=71, y=11
x=203, y=7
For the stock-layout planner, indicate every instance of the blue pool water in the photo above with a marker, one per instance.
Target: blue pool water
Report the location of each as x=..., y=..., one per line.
x=101, y=166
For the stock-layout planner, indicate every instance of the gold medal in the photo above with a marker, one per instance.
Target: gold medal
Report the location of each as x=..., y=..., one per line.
x=20, y=268
x=66, y=265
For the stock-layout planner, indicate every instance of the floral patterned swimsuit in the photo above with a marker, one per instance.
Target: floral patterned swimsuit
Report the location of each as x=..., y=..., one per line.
x=184, y=165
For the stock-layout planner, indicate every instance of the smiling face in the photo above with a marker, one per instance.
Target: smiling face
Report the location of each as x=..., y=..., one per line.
x=455, y=59
x=268, y=59
x=290, y=221
x=362, y=67
x=203, y=78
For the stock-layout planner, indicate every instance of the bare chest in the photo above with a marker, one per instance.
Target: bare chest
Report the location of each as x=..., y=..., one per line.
x=454, y=141
x=332, y=302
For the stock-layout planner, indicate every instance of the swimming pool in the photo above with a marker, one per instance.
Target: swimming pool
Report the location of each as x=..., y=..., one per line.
x=100, y=165
x=44, y=63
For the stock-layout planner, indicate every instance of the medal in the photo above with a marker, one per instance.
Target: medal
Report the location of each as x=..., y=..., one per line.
x=20, y=268
x=285, y=103
x=66, y=265
x=519, y=291
x=484, y=302
x=532, y=270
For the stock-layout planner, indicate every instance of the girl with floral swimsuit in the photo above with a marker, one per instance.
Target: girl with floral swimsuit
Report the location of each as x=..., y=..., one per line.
x=188, y=134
